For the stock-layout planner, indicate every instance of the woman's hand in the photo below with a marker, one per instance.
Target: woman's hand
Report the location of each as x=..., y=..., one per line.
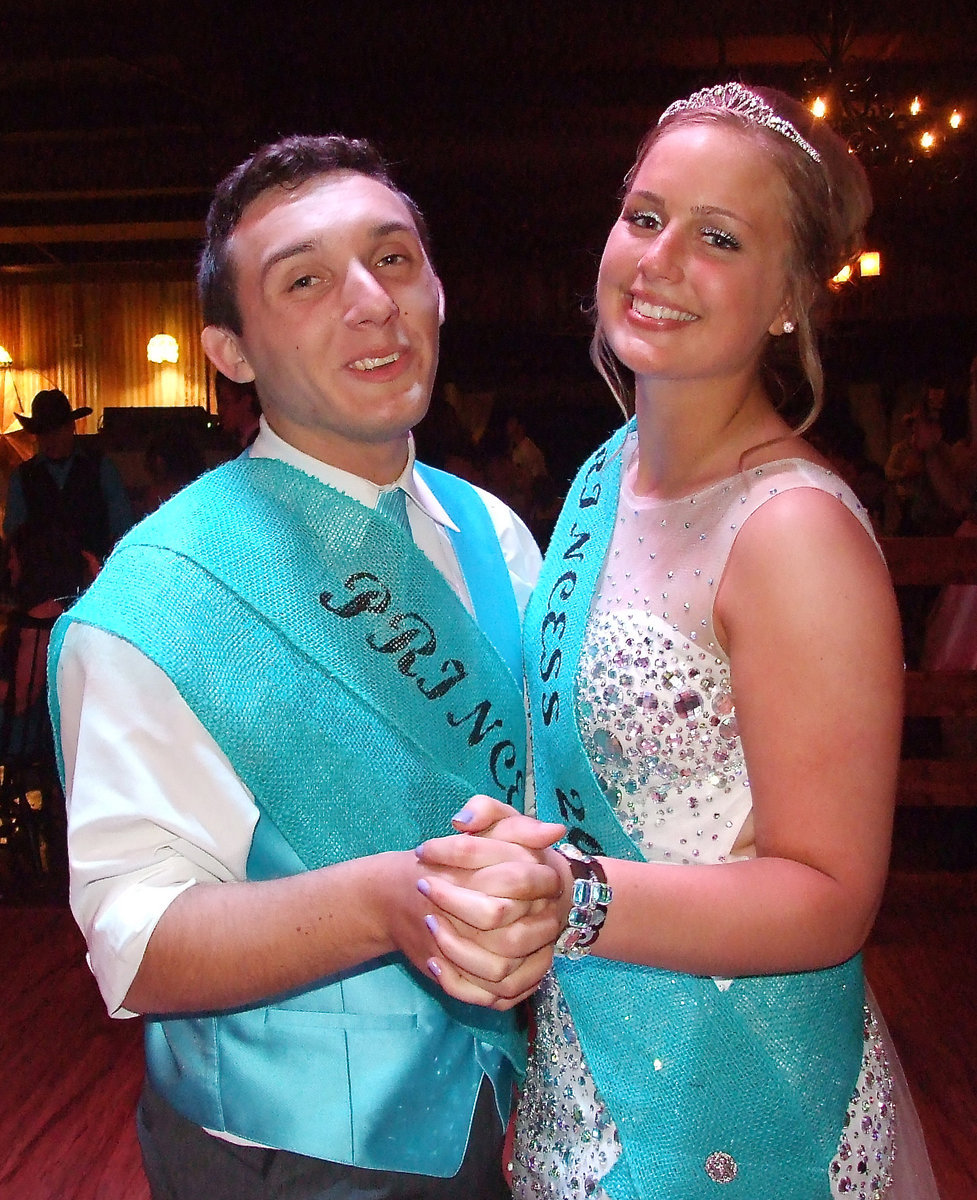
x=497, y=891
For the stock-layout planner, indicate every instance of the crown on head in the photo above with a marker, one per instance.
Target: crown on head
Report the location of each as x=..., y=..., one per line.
x=735, y=98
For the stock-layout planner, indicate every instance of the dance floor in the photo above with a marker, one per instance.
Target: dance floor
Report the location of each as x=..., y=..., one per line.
x=71, y=1076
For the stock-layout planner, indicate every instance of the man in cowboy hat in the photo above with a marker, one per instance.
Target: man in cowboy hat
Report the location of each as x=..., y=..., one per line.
x=63, y=485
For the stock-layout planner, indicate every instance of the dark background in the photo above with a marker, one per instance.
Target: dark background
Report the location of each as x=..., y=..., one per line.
x=511, y=124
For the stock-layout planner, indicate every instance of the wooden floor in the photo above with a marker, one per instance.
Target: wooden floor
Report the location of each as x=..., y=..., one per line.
x=71, y=1076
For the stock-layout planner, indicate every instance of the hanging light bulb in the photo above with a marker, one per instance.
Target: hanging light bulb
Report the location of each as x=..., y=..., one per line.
x=956, y=119
x=819, y=107
x=163, y=348
x=916, y=107
x=927, y=140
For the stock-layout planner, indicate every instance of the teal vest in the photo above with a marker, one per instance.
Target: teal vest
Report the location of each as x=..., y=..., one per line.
x=700, y=1082
x=332, y=663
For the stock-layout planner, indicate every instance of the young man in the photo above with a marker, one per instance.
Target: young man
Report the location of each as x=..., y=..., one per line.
x=281, y=683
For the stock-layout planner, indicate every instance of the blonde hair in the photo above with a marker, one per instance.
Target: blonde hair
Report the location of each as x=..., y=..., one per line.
x=829, y=203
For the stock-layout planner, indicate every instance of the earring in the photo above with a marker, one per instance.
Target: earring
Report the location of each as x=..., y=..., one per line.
x=789, y=327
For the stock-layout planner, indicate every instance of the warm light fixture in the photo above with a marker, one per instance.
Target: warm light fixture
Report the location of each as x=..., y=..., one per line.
x=5, y=359
x=163, y=348
x=885, y=129
x=869, y=263
x=844, y=275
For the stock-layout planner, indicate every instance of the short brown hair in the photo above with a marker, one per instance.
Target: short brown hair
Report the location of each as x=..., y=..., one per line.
x=287, y=164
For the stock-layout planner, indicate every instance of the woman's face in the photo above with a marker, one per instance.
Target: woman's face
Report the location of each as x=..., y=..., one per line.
x=694, y=274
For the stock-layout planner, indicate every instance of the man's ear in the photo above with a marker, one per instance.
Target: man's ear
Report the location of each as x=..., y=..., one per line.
x=223, y=349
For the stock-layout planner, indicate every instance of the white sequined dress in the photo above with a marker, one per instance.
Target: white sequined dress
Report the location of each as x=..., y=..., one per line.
x=657, y=717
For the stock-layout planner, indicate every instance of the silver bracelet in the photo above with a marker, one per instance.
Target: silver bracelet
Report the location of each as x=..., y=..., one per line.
x=591, y=896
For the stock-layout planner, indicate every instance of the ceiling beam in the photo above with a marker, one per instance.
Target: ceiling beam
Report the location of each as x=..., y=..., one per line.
x=142, y=231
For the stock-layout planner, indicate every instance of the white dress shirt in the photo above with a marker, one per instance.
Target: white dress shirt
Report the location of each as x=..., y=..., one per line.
x=154, y=805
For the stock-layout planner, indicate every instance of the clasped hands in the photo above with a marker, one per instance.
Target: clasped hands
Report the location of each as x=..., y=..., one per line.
x=499, y=898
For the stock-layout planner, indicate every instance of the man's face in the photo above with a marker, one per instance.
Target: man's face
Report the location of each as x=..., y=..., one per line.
x=340, y=312
x=57, y=443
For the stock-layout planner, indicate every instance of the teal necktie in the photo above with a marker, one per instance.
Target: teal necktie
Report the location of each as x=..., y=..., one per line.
x=393, y=506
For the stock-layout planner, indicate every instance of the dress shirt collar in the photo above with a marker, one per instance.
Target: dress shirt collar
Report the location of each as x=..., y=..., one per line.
x=269, y=445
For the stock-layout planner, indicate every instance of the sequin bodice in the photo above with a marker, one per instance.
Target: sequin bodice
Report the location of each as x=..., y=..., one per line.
x=657, y=718
x=654, y=701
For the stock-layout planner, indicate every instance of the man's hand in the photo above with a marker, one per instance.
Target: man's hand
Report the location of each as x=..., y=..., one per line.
x=499, y=897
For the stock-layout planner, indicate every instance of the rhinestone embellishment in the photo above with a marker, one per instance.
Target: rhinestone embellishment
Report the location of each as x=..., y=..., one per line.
x=721, y=1167
x=657, y=716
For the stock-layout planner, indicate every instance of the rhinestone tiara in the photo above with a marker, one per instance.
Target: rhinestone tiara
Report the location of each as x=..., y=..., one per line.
x=735, y=98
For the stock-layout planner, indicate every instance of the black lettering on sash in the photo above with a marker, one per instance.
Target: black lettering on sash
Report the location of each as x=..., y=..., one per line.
x=568, y=810
x=551, y=666
x=565, y=585
x=414, y=637
x=558, y=621
x=553, y=627
x=445, y=686
x=405, y=664
x=550, y=661
x=504, y=754
x=574, y=550
x=479, y=729
x=584, y=842
x=589, y=499
x=375, y=600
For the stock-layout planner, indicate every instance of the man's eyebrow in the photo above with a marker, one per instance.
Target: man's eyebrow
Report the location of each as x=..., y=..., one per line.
x=389, y=227
x=308, y=245
x=286, y=252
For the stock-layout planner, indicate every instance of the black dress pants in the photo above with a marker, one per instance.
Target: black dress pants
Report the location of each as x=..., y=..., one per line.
x=183, y=1162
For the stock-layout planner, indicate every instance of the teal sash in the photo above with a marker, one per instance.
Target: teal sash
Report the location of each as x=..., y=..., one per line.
x=340, y=674
x=762, y=1072
x=482, y=564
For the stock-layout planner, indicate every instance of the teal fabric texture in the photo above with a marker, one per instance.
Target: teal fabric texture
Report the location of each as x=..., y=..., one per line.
x=361, y=705
x=763, y=1071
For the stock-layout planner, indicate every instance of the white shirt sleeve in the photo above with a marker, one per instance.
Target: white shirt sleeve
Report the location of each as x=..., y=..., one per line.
x=154, y=805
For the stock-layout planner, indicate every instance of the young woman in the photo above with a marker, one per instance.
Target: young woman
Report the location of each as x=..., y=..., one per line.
x=715, y=677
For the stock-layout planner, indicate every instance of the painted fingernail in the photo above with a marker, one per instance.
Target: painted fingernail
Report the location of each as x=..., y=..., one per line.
x=464, y=817
x=431, y=922
x=432, y=966
x=424, y=887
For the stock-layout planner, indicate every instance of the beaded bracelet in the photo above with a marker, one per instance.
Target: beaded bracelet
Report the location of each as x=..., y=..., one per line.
x=591, y=896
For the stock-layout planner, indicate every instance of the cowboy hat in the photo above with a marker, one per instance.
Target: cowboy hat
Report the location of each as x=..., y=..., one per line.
x=50, y=410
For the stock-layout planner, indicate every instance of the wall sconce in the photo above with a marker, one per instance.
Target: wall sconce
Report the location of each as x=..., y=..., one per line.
x=5, y=359
x=162, y=348
x=869, y=263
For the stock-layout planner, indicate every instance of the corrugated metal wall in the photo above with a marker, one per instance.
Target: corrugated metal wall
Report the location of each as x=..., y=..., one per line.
x=89, y=339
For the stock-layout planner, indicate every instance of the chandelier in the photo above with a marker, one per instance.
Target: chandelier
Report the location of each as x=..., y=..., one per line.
x=914, y=130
